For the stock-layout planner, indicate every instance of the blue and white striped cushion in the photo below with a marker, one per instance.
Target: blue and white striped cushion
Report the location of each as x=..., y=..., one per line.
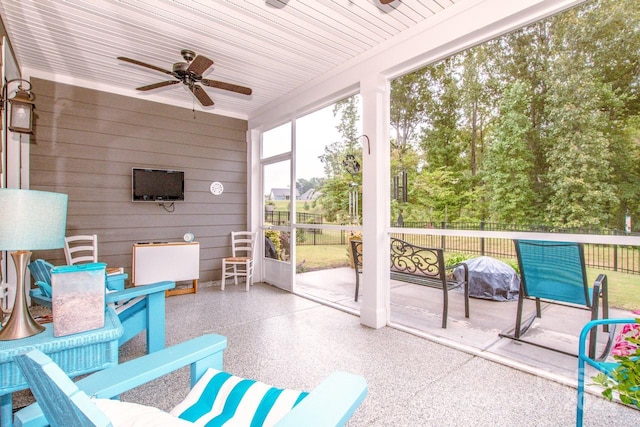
x=220, y=398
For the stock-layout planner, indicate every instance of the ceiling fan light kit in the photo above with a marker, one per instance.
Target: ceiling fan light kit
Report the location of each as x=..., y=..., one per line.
x=190, y=74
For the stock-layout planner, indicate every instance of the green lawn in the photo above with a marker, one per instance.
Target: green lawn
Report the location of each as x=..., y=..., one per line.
x=318, y=257
x=284, y=206
x=624, y=289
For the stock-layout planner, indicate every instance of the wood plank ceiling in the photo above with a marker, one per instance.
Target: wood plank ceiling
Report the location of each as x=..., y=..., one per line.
x=271, y=46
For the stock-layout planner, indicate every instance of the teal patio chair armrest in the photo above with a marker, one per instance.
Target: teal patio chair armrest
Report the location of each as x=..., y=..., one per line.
x=329, y=404
x=200, y=353
x=39, y=297
x=137, y=291
x=147, y=311
x=585, y=359
x=44, y=287
x=582, y=343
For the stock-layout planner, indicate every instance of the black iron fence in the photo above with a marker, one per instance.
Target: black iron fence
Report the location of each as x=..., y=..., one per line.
x=621, y=258
x=284, y=218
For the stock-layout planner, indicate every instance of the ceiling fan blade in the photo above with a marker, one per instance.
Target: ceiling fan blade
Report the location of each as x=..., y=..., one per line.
x=142, y=64
x=226, y=86
x=201, y=95
x=157, y=85
x=200, y=64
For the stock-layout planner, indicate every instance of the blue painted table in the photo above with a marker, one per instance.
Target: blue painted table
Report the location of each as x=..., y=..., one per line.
x=77, y=354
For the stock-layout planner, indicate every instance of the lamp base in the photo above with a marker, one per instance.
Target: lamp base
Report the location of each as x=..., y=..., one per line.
x=21, y=324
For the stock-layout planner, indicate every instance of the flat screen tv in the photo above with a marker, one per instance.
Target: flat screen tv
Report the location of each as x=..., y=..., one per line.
x=157, y=185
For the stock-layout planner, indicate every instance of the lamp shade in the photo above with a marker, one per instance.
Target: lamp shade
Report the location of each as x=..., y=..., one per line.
x=32, y=220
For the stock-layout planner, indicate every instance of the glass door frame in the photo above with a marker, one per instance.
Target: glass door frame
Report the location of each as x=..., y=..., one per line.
x=277, y=272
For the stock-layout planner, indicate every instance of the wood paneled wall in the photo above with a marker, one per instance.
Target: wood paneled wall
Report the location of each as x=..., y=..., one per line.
x=86, y=143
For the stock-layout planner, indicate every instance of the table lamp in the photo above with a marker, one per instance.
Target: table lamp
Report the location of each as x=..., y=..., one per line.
x=29, y=220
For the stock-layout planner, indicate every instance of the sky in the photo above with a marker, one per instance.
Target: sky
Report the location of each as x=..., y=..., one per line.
x=314, y=132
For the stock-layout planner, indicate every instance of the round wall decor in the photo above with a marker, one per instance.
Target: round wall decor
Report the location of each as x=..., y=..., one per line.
x=216, y=188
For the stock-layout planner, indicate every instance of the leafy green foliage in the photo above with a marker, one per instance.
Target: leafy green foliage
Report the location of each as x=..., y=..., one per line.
x=624, y=381
x=339, y=180
x=539, y=126
x=513, y=264
x=508, y=168
x=455, y=258
x=274, y=236
x=579, y=163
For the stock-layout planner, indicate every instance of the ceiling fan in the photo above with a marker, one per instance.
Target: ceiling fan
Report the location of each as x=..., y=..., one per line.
x=190, y=74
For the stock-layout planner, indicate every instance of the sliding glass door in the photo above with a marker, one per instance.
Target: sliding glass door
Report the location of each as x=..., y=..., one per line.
x=277, y=196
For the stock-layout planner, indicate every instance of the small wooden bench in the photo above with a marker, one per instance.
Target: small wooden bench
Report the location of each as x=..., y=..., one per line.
x=420, y=266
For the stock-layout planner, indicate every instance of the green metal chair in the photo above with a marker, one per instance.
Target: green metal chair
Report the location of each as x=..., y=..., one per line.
x=554, y=272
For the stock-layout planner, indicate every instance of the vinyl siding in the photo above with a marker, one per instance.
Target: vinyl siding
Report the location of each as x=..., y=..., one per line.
x=86, y=143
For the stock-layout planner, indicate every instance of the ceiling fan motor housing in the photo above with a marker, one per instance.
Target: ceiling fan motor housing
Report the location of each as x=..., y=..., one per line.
x=180, y=68
x=187, y=54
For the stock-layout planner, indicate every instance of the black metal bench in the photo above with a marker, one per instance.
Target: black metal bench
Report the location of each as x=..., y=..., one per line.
x=421, y=266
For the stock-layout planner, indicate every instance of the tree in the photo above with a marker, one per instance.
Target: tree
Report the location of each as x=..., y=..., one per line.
x=605, y=36
x=477, y=99
x=509, y=165
x=341, y=177
x=525, y=56
x=580, y=171
x=438, y=197
x=441, y=140
x=334, y=153
x=410, y=96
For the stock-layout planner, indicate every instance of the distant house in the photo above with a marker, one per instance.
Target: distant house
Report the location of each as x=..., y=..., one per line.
x=280, y=194
x=310, y=194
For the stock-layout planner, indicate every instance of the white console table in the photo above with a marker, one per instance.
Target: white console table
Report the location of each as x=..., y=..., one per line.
x=177, y=261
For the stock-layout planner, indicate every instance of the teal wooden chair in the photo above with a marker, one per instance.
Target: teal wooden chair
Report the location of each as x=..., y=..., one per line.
x=89, y=402
x=584, y=359
x=554, y=272
x=141, y=308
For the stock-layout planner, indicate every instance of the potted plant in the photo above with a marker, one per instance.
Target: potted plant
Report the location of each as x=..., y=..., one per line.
x=624, y=381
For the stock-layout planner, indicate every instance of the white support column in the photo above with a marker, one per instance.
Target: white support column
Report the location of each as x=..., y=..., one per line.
x=255, y=214
x=374, y=311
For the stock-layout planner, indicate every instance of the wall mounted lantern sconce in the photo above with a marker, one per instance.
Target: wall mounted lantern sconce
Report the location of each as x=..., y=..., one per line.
x=20, y=105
